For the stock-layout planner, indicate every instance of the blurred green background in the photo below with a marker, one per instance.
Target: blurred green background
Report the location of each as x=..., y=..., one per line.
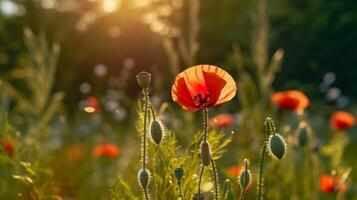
x=317, y=37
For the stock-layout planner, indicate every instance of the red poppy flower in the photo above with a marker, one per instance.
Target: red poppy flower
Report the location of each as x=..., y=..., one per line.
x=342, y=120
x=235, y=171
x=329, y=184
x=106, y=150
x=222, y=121
x=293, y=100
x=8, y=148
x=203, y=86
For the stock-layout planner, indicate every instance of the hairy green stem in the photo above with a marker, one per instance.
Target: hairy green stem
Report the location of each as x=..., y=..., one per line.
x=145, y=125
x=180, y=191
x=146, y=194
x=261, y=173
x=215, y=178
x=241, y=197
x=152, y=112
x=200, y=180
x=269, y=129
x=205, y=131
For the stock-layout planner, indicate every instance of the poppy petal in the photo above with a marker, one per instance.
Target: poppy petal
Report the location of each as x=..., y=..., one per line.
x=184, y=98
x=228, y=91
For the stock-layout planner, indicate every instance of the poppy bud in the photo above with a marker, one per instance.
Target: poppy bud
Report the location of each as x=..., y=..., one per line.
x=156, y=131
x=228, y=193
x=303, y=136
x=200, y=196
x=245, y=176
x=205, y=154
x=179, y=174
x=144, y=178
x=143, y=79
x=276, y=146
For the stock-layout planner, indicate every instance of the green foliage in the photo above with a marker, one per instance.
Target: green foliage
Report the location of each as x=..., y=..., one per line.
x=164, y=159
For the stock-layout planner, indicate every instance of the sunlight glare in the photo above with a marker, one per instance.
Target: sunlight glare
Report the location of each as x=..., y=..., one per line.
x=110, y=6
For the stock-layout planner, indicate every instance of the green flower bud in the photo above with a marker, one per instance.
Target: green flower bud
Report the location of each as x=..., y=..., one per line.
x=205, y=154
x=276, y=146
x=228, y=192
x=156, y=131
x=143, y=79
x=245, y=176
x=144, y=178
x=303, y=136
x=179, y=174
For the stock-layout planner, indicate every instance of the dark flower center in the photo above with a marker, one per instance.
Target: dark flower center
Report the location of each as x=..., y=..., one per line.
x=200, y=99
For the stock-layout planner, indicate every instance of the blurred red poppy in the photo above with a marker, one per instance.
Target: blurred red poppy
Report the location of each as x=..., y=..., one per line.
x=222, y=121
x=342, y=120
x=330, y=183
x=9, y=148
x=203, y=86
x=235, y=171
x=106, y=150
x=293, y=100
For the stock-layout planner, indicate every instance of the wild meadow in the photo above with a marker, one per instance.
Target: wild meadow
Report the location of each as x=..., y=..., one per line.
x=178, y=99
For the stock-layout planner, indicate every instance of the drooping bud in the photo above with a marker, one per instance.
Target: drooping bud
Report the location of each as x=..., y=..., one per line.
x=303, y=136
x=205, y=154
x=144, y=178
x=276, y=146
x=245, y=176
x=198, y=196
x=178, y=174
x=143, y=79
x=156, y=131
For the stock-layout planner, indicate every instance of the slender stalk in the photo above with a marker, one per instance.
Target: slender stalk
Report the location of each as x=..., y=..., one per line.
x=144, y=137
x=269, y=129
x=200, y=180
x=180, y=191
x=205, y=125
x=215, y=178
x=261, y=173
x=145, y=125
x=146, y=194
x=205, y=131
x=241, y=197
x=152, y=112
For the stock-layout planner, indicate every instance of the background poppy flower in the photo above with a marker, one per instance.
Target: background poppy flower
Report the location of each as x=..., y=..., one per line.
x=8, y=148
x=293, y=100
x=342, y=120
x=329, y=184
x=106, y=150
x=203, y=86
x=222, y=121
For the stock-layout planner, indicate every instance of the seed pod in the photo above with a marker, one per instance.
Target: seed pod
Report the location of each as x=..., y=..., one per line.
x=205, y=154
x=303, y=136
x=276, y=146
x=144, y=178
x=156, y=131
x=143, y=79
x=197, y=196
x=179, y=174
x=245, y=176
